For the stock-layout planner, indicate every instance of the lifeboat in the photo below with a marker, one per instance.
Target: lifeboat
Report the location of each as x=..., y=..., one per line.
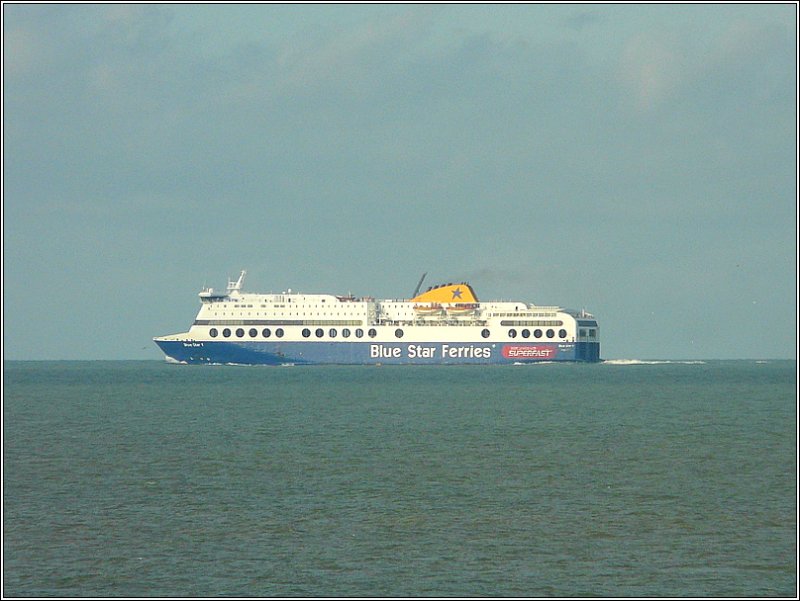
x=429, y=309
x=457, y=309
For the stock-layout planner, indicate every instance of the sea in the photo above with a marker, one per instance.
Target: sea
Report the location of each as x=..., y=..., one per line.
x=620, y=479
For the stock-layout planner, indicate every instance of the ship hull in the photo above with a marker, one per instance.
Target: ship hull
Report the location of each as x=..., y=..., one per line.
x=372, y=353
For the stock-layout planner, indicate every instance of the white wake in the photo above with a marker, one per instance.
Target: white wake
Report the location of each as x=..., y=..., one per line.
x=645, y=362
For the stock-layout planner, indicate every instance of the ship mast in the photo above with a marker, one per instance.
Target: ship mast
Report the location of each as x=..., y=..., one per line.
x=416, y=290
x=237, y=285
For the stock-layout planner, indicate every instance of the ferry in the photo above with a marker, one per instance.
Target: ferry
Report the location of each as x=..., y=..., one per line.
x=446, y=324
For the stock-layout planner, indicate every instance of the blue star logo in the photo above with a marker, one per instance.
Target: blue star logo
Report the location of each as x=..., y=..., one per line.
x=457, y=293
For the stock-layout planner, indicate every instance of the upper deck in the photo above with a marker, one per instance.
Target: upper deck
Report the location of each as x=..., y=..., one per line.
x=446, y=305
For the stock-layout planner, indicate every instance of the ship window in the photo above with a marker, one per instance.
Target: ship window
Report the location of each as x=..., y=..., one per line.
x=583, y=334
x=372, y=333
x=213, y=332
x=319, y=332
x=562, y=333
x=512, y=333
x=359, y=332
x=279, y=332
x=239, y=332
x=398, y=333
x=592, y=333
x=253, y=332
x=526, y=333
x=345, y=333
x=550, y=333
x=266, y=333
x=332, y=332
x=226, y=332
x=306, y=332
x=537, y=333
x=485, y=333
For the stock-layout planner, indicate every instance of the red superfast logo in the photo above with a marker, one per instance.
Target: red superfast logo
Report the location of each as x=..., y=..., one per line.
x=511, y=351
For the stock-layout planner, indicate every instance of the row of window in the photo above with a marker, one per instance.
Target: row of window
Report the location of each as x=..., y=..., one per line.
x=398, y=333
x=280, y=299
x=319, y=333
x=266, y=332
x=531, y=322
x=372, y=332
x=274, y=322
x=512, y=333
x=525, y=314
x=290, y=313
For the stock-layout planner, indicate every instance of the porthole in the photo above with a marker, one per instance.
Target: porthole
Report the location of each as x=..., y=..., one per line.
x=562, y=333
x=537, y=333
x=226, y=332
x=319, y=332
x=279, y=332
x=253, y=332
x=398, y=333
x=526, y=333
x=213, y=332
x=359, y=333
x=332, y=333
x=550, y=333
x=485, y=333
x=512, y=333
x=306, y=332
x=372, y=333
x=266, y=333
x=345, y=333
x=239, y=332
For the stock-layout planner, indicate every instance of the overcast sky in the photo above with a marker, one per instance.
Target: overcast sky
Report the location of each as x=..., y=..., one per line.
x=636, y=161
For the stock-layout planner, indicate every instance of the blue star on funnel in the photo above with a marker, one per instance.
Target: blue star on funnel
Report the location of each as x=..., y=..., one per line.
x=457, y=293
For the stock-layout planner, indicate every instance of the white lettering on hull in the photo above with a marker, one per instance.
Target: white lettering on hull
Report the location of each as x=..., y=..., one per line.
x=419, y=351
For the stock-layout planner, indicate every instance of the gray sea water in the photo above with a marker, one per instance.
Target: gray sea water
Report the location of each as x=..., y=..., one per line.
x=130, y=479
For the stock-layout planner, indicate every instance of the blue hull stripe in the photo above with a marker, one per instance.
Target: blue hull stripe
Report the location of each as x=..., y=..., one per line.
x=365, y=353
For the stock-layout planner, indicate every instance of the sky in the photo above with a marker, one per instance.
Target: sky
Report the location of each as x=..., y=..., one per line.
x=638, y=161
